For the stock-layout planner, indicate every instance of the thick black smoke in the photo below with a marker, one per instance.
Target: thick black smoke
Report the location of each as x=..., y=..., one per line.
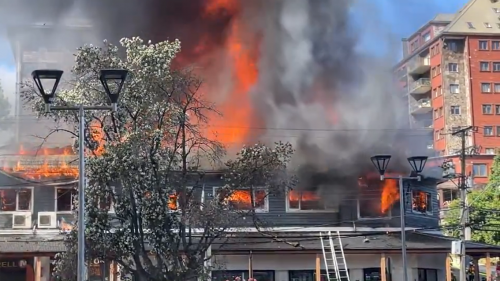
x=335, y=103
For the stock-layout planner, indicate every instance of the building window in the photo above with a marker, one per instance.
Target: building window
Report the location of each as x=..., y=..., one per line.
x=486, y=87
x=372, y=274
x=427, y=36
x=241, y=199
x=12, y=200
x=496, y=10
x=437, y=136
x=470, y=25
x=448, y=196
x=372, y=209
x=307, y=201
x=453, y=67
x=427, y=274
x=496, y=66
x=307, y=275
x=483, y=45
x=421, y=202
x=497, y=109
x=64, y=199
x=489, y=151
x=488, y=131
x=454, y=110
x=480, y=170
x=232, y=275
x=495, y=45
x=455, y=129
x=487, y=25
x=484, y=66
x=487, y=109
x=497, y=87
x=454, y=88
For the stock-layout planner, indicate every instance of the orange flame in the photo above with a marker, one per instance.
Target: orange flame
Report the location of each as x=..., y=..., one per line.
x=243, y=56
x=390, y=194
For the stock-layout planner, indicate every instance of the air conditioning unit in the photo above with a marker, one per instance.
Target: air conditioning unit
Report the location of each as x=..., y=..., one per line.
x=47, y=220
x=21, y=220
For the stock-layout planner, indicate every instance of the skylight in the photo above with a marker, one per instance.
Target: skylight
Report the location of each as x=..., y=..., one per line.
x=471, y=26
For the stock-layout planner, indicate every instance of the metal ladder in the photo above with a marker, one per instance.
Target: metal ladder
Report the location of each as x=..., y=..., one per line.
x=335, y=264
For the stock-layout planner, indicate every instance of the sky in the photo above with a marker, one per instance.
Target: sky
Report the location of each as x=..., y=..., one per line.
x=401, y=16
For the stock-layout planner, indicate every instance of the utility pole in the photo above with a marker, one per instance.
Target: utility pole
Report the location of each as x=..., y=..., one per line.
x=464, y=220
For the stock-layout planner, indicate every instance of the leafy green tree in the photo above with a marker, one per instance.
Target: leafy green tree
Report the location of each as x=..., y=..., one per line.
x=148, y=161
x=484, y=212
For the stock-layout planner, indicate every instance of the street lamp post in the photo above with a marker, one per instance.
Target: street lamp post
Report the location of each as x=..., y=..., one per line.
x=417, y=163
x=51, y=78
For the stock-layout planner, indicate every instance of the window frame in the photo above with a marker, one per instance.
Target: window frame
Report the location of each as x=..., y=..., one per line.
x=495, y=45
x=495, y=88
x=489, y=87
x=480, y=165
x=495, y=69
x=484, y=106
x=453, y=69
x=492, y=131
x=480, y=45
x=426, y=272
x=17, y=189
x=56, y=197
x=455, y=107
x=244, y=274
x=488, y=69
x=457, y=87
x=294, y=210
x=266, y=199
x=428, y=198
x=489, y=149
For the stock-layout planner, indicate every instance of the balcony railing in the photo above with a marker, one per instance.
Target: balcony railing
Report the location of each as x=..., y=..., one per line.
x=422, y=106
x=421, y=86
x=419, y=65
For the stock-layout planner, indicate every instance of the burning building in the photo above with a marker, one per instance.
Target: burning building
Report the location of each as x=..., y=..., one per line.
x=278, y=70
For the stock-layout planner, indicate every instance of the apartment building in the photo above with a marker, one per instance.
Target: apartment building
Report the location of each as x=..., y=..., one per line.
x=450, y=73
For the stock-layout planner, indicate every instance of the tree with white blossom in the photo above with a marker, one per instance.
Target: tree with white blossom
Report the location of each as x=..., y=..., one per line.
x=148, y=161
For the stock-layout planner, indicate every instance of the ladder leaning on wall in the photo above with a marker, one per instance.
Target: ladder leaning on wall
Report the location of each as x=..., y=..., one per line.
x=333, y=255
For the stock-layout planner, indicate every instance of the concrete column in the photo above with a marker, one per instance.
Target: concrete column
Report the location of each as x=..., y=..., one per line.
x=318, y=267
x=488, y=267
x=448, y=268
x=38, y=269
x=383, y=267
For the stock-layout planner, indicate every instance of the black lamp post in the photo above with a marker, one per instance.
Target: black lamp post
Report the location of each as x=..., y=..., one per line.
x=115, y=77
x=47, y=80
x=106, y=76
x=417, y=163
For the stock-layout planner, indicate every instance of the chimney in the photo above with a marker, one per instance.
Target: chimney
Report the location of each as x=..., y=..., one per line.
x=404, y=44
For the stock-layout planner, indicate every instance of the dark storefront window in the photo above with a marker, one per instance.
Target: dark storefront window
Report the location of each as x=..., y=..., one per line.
x=231, y=275
x=371, y=274
x=305, y=275
x=427, y=274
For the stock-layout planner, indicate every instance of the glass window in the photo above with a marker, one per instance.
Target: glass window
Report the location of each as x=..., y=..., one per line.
x=421, y=201
x=497, y=87
x=307, y=201
x=449, y=195
x=487, y=109
x=484, y=66
x=454, y=88
x=233, y=275
x=486, y=87
x=372, y=274
x=242, y=199
x=426, y=36
x=15, y=200
x=496, y=66
x=453, y=67
x=305, y=275
x=495, y=45
x=488, y=131
x=489, y=151
x=483, y=45
x=480, y=170
x=64, y=199
x=455, y=110
x=427, y=274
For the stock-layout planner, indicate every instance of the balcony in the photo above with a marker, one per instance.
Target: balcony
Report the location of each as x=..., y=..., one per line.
x=421, y=86
x=421, y=107
x=423, y=124
x=419, y=65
